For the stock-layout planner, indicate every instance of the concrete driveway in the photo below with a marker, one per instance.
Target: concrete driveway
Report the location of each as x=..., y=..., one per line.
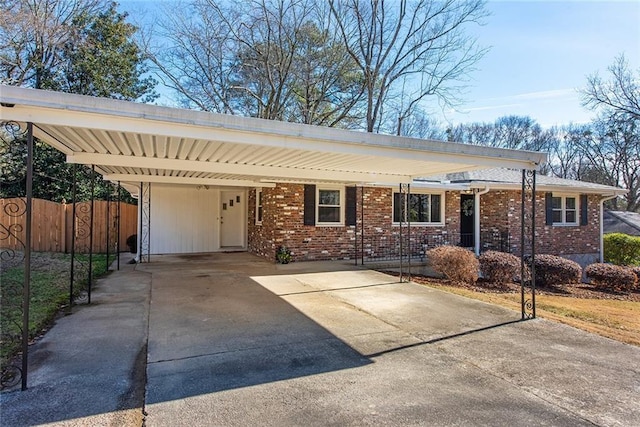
x=232, y=340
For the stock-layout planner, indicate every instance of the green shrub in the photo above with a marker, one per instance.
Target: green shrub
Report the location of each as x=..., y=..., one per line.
x=499, y=267
x=622, y=249
x=554, y=270
x=612, y=277
x=455, y=263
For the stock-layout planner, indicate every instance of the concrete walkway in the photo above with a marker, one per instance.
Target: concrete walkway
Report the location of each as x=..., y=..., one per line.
x=88, y=368
x=232, y=340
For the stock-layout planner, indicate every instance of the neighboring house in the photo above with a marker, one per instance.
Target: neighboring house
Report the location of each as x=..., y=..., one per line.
x=480, y=210
x=622, y=222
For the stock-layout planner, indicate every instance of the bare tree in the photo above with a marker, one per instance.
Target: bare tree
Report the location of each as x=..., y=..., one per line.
x=611, y=148
x=613, y=144
x=273, y=59
x=193, y=53
x=417, y=40
x=33, y=34
x=620, y=94
x=565, y=161
x=416, y=124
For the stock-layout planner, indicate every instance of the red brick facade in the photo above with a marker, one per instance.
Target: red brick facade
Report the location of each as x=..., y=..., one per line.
x=500, y=210
x=283, y=225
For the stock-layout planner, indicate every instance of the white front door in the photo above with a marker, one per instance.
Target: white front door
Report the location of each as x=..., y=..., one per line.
x=233, y=207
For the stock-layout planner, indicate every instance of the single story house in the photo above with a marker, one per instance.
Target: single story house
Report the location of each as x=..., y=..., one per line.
x=479, y=209
x=210, y=182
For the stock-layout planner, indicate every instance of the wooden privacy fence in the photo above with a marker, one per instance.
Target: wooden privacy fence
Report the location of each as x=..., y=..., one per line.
x=52, y=225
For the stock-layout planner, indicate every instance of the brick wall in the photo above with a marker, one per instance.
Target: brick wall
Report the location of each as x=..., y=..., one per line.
x=283, y=224
x=501, y=210
x=569, y=240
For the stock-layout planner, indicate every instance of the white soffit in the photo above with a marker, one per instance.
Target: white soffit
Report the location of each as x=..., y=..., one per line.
x=132, y=143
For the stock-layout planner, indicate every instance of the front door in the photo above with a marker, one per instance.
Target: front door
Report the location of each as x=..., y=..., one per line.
x=232, y=219
x=467, y=221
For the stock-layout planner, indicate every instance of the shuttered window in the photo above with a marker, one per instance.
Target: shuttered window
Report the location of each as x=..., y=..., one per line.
x=259, y=206
x=325, y=205
x=423, y=208
x=562, y=209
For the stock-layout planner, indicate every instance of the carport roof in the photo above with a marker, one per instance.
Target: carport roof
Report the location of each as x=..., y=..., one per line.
x=132, y=143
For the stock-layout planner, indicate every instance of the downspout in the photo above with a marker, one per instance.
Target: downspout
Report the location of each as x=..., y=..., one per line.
x=476, y=218
x=604, y=199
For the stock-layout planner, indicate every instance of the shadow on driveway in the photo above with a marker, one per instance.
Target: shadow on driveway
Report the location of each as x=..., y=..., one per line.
x=220, y=330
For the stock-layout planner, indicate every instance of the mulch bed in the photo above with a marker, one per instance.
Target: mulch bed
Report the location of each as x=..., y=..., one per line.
x=581, y=290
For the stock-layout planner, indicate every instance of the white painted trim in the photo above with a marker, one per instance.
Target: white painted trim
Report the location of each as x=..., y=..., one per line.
x=501, y=186
x=258, y=205
x=225, y=168
x=563, y=209
x=342, y=191
x=39, y=106
x=184, y=180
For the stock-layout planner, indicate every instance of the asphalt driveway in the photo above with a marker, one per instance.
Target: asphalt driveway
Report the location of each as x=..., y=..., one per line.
x=232, y=340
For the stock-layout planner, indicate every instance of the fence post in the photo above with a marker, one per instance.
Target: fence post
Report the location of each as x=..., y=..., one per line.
x=63, y=227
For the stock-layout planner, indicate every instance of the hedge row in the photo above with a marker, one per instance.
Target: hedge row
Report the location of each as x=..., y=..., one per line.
x=554, y=270
x=622, y=249
x=461, y=265
x=612, y=277
x=455, y=263
x=499, y=267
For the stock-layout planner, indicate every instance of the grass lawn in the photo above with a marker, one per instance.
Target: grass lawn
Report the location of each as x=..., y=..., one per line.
x=618, y=319
x=50, y=274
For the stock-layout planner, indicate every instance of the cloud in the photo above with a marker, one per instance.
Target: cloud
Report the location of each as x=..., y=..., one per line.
x=545, y=94
x=487, y=107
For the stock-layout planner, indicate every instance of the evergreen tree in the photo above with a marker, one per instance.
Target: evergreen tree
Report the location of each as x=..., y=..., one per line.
x=99, y=57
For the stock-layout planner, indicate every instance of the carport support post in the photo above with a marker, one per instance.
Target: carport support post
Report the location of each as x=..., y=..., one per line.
x=118, y=227
x=108, y=203
x=144, y=238
x=402, y=210
x=355, y=236
x=362, y=224
x=90, y=279
x=405, y=192
x=528, y=307
x=140, y=230
x=26, y=289
x=408, y=213
x=73, y=235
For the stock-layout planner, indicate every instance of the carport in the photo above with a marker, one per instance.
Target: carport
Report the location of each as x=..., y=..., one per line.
x=145, y=147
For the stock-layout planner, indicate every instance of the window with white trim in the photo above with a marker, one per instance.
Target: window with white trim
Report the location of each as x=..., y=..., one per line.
x=565, y=210
x=259, y=206
x=330, y=206
x=424, y=208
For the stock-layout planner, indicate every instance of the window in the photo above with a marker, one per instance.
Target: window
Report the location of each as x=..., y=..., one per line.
x=329, y=206
x=565, y=210
x=259, y=206
x=423, y=208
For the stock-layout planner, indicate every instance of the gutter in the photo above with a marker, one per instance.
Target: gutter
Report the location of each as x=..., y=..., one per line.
x=604, y=199
x=476, y=217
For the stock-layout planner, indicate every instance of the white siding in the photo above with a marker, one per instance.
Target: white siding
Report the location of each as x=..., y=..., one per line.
x=184, y=219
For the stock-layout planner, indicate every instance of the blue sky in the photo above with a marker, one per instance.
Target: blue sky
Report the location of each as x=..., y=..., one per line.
x=540, y=53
